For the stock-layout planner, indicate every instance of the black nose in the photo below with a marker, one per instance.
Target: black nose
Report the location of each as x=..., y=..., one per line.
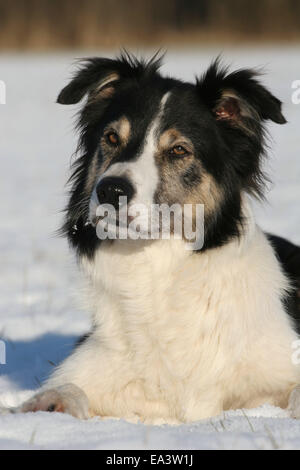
x=111, y=188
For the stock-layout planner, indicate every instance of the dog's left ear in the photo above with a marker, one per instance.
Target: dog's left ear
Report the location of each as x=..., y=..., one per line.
x=238, y=96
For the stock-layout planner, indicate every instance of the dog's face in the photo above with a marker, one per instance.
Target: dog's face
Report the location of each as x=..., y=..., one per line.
x=157, y=140
x=150, y=150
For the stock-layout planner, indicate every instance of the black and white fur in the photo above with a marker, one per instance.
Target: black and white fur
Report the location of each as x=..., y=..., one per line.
x=177, y=335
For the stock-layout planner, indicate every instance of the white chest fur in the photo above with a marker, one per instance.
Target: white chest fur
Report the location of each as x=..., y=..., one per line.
x=198, y=328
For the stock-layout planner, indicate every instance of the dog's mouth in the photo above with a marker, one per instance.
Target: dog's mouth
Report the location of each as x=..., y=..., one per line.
x=146, y=222
x=122, y=223
x=118, y=222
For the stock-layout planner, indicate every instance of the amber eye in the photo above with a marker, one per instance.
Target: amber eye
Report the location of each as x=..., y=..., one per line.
x=112, y=138
x=179, y=151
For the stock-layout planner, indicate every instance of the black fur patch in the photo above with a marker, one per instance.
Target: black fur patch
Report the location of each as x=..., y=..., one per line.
x=289, y=257
x=191, y=176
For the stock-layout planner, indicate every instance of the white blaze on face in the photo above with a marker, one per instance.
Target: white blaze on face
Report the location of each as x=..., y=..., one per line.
x=142, y=173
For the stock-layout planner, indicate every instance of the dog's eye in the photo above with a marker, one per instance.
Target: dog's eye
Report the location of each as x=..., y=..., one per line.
x=179, y=151
x=112, y=139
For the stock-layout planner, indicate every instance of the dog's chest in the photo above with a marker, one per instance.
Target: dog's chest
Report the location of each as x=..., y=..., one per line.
x=182, y=324
x=163, y=308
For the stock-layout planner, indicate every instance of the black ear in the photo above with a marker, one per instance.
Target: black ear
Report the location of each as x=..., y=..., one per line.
x=98, y=76
x=95, y=76
x=234, y=97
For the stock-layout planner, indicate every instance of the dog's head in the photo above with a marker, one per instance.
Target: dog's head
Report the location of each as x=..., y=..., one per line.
x=157, y=140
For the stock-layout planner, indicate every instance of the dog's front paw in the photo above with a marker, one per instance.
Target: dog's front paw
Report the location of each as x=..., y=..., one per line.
x=294, y=403
x=67, y=398
x=6, y=411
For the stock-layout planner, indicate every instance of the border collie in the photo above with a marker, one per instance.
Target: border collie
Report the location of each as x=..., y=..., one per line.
x=178, y=334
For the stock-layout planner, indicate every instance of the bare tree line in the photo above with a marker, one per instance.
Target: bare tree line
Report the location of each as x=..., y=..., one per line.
x=26, y=24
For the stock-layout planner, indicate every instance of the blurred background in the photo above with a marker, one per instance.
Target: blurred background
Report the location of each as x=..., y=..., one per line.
x=39, y=41
x=52, y=24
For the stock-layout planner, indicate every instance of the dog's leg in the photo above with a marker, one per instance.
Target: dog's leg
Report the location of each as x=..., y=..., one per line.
x=84, y=384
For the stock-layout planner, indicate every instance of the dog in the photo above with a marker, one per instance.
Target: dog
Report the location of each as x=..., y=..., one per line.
x=178, y=334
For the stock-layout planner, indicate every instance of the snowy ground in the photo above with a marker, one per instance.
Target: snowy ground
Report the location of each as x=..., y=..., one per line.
x=39, y=319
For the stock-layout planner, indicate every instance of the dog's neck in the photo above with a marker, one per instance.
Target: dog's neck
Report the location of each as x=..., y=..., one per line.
x=118, y=257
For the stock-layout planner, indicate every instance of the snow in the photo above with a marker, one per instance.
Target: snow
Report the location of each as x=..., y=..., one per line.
x=40, y=317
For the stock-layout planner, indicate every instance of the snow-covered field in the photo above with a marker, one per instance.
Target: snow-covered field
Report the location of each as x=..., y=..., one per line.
x=39, y=315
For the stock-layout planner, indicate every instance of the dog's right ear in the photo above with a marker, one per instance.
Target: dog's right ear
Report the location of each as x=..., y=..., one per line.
x=95, y=77
x=98, y=77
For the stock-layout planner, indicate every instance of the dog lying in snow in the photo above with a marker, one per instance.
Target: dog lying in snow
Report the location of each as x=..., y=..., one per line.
x=178, y=334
